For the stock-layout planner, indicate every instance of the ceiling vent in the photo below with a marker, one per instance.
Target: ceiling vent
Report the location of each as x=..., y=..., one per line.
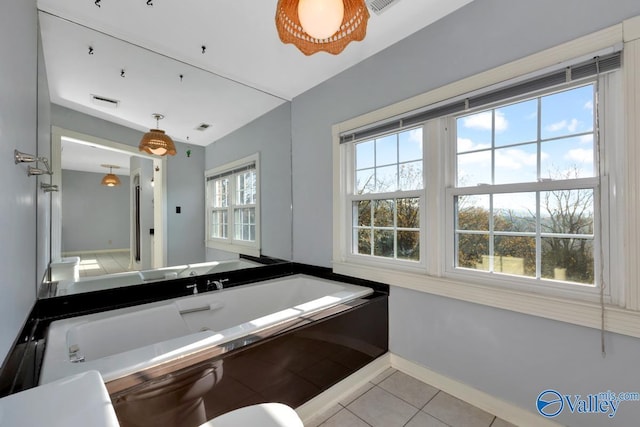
x=104, y=102
x=379, y=6
x=203, y=126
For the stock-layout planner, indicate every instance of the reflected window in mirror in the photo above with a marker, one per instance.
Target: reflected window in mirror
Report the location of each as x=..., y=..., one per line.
x=233, y=206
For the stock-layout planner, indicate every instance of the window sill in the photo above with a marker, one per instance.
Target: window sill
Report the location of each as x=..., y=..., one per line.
x=234, y=248
x=582, y=313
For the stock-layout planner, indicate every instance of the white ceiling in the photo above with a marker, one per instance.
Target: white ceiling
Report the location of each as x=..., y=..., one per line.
x=245, y=71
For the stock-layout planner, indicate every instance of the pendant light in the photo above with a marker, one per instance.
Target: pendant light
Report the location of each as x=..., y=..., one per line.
x=110, y=180
x=156, y=141
x=321, y=25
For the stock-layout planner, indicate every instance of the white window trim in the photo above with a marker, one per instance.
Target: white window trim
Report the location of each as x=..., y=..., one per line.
x=231, y=244
x=624, y=320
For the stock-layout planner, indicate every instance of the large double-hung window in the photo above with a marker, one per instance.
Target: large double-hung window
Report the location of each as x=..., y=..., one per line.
x=526, y=188
x=508, y=186
x=232, y=200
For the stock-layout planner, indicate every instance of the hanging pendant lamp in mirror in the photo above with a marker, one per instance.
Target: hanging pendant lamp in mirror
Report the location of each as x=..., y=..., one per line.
x=156, y=141
x=110, y=180
x=321, y=25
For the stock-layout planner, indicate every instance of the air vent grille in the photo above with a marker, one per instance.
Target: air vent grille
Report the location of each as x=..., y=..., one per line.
x=203, y=126
x=379, y=6
x=104, y=102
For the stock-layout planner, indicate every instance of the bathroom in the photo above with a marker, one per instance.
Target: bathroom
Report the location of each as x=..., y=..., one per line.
x=489, y=345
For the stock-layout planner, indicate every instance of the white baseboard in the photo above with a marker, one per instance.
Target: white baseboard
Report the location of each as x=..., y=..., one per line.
x=498, y=407
x=99, y=251
x=330, y=397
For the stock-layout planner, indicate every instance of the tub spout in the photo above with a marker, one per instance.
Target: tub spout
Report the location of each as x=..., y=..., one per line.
x=216, y=283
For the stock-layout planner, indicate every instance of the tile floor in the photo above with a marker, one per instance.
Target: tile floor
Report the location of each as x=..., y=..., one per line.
x=98, y=264
x=394, y=399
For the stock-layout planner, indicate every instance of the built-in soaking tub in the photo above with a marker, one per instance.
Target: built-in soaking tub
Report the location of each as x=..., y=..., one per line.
x=129, y=278
x=121, y=342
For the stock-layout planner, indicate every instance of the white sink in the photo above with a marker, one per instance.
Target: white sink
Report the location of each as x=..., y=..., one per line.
x=78, y=401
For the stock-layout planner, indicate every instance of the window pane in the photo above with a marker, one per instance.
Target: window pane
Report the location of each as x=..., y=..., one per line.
x=409, y=245
x=514, y=212
x=473, y=213
x=246, y=188
x=383, y=243
x=568, y=158
x=473, y=251
x=516, y=164
x=408, y=213
x=474, y=169
x=567, y=211
x=218, y=228
x=474, y=131
x=567, y=113
x=386, y=179
x=365, y=155
x=410, y=176
x=387, y=150
x=362, y=213
x=515, y=255
x=410, y=145
x=383, y=213
x=365, y=181
x=517, y=123
x=568, y=260
x=221, y=193
x=363, y=243
x=244, y=224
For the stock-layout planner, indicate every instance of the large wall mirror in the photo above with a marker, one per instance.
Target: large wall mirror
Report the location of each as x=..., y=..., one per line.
x=104, y=90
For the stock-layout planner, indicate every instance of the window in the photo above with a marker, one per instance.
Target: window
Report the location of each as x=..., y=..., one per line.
x=526, y=188
x=232, y=200
x=386, y=196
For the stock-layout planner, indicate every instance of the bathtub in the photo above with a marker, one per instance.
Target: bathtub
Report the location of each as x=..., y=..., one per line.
x=121, y=342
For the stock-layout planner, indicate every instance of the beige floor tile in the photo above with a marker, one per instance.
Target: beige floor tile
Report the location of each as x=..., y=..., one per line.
x=378, y=379
x=318, y=419
x=344, y=418
x=409, y=389
x=455, y=412
x=423, y=419
x=380, y=408
x=499, y=422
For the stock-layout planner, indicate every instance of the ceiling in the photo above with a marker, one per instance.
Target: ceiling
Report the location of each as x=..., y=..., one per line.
x=140, y=52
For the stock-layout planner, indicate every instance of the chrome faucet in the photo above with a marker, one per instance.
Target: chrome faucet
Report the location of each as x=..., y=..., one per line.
x=217, y=283
x=74, y=354
x=194, y=287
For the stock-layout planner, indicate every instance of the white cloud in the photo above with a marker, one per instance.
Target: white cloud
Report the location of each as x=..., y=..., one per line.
x=588, y=105
x=586, y=139
x=482, y=121
x=571, y=126
x=515, y=159
x=580, y=155
x=466, y=144
x=415, y=135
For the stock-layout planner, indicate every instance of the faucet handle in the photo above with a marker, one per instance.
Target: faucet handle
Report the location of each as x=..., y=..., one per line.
x=194, y=287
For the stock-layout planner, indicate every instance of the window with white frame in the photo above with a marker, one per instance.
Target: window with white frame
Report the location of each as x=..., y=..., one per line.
x=232, y=201
x=526, y=188
x=386, y=196
x=513, y=188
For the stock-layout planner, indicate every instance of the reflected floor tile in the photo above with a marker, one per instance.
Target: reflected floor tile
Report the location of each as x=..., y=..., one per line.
x=455, y=412
x=409, y=389
x=380, y=408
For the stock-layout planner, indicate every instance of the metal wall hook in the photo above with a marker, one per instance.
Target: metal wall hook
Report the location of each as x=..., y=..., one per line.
x=20, y=157
x=23, y=157
x=48, y=188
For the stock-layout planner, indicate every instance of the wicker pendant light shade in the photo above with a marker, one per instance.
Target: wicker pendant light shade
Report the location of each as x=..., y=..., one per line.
x=157, y=142
x=110, y=180
x=353, y=27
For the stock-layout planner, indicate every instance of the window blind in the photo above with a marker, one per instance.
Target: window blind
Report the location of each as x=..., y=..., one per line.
x=232, y=171
x=575, y=72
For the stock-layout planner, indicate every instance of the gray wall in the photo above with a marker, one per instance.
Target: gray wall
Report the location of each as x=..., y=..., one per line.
x=94, y=217
x=185, y=182
x=18, y=107
x=270, y=135
x=509, y=355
